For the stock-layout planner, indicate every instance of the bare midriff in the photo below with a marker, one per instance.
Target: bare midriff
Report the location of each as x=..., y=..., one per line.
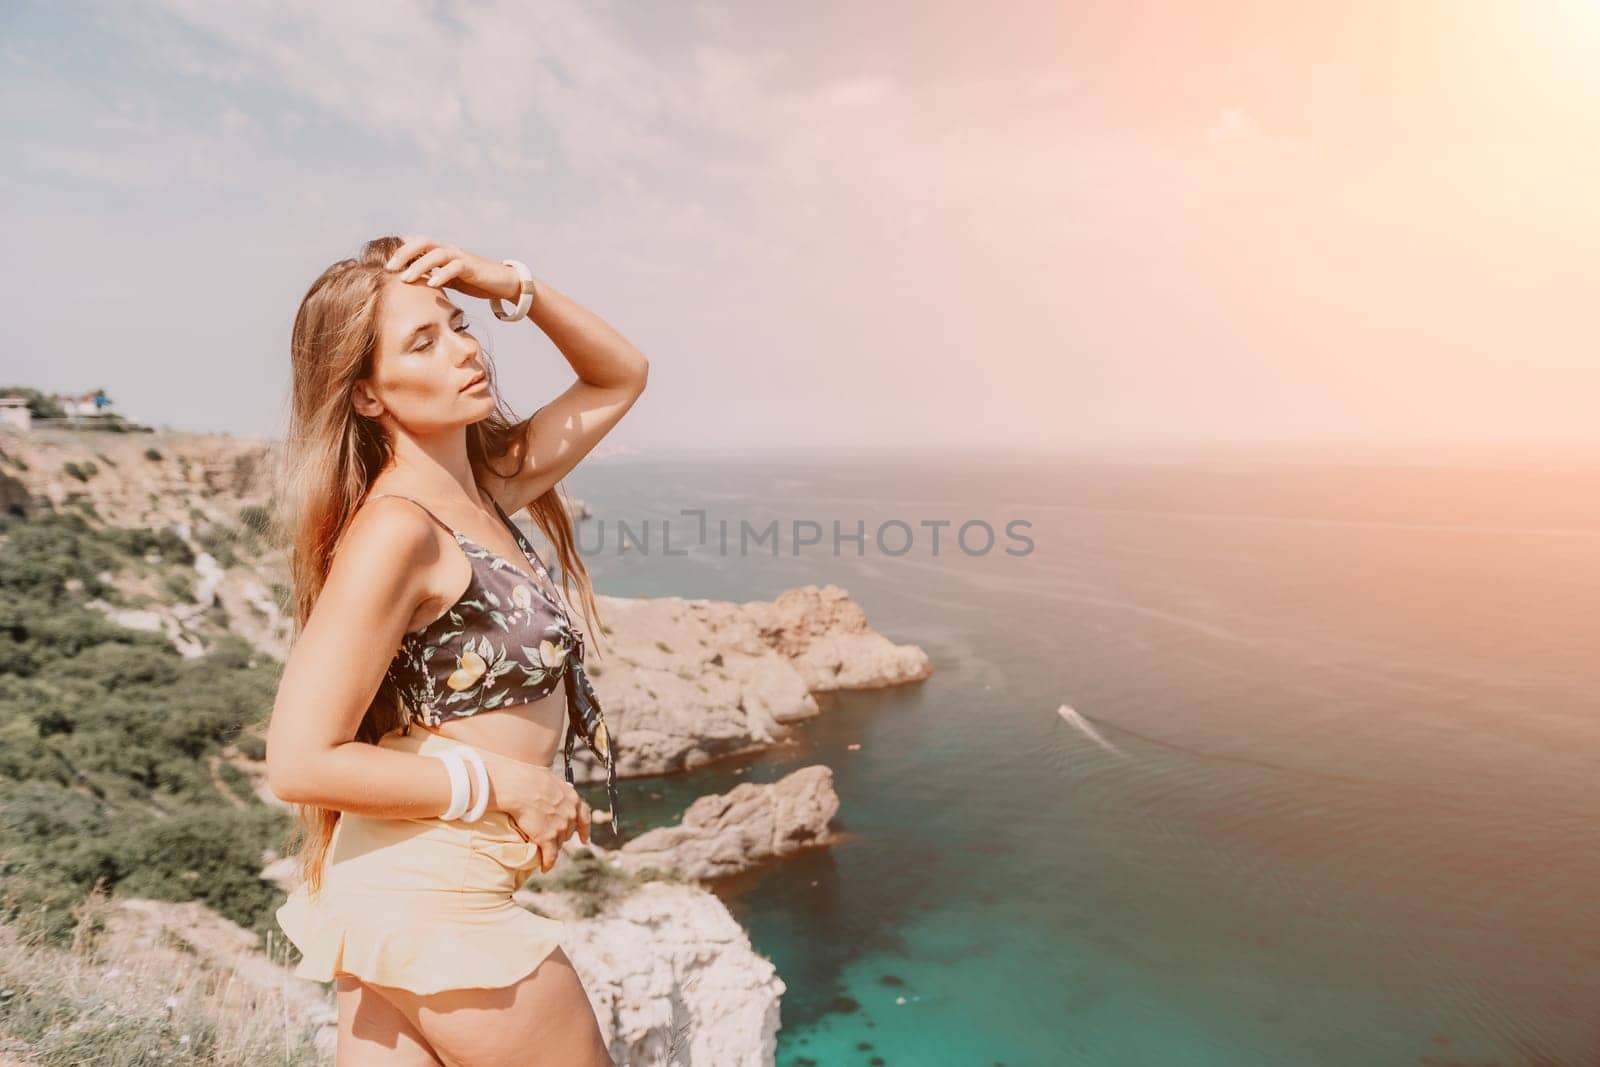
x=528, y=733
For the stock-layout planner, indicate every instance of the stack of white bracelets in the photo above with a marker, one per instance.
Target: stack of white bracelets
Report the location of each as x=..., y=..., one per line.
x=455, y=760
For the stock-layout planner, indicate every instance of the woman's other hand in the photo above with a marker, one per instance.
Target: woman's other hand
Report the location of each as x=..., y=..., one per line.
x=543, y=807
x=455, y=268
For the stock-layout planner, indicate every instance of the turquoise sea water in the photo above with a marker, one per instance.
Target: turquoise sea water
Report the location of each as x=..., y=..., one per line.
x=1346, y=808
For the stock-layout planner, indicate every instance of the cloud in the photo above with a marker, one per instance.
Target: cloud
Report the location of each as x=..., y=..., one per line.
x=523, y=80
x=716, y=143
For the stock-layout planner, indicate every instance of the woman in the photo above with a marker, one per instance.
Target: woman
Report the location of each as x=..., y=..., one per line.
x=427, y=629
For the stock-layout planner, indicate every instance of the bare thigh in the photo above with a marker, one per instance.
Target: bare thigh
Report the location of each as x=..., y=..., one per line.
x=375, y=1033
x=544, y=1020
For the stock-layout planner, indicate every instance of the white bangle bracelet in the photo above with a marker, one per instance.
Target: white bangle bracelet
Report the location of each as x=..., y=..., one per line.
x=523, y=304
x=481, y=774
x=459, y=798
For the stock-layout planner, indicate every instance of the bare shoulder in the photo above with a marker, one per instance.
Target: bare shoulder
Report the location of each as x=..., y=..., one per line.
x=388, y=543
x=390, y=523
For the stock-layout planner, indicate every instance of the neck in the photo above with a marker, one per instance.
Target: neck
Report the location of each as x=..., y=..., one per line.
x=437, y=464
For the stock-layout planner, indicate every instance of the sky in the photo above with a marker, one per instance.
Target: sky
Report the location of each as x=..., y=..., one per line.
x=965, y=226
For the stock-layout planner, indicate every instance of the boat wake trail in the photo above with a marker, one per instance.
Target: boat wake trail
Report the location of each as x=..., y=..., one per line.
x=1082, y=725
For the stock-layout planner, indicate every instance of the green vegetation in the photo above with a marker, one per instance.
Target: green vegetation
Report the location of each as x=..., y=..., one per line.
x=593, y=882
x=153, y=455
x=42, y=405
x=256, y=519
x=229, y=543
x=105, y=736
x=81, y=471
x=252, y=747
x=219, y=541
x=179, y=587
x=140, y=542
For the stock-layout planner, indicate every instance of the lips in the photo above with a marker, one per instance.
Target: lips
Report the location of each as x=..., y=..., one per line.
x=479, y=377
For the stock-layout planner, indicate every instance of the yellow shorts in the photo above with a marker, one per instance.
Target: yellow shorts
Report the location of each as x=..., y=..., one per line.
x=422, y=904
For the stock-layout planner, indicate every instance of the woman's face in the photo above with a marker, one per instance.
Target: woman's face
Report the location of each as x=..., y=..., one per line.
x=425, y=360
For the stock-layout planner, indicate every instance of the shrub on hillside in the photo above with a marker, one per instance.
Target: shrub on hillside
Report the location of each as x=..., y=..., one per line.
x=105, y=738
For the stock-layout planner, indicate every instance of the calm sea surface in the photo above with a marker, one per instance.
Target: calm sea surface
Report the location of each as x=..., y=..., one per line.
x=1332, y=798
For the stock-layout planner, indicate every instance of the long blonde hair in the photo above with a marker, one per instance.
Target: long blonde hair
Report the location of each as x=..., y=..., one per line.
x=330, y=458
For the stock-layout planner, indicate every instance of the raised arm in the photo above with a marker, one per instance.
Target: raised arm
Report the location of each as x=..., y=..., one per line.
x=611, y=375
x=611, y=371
x=335, y=666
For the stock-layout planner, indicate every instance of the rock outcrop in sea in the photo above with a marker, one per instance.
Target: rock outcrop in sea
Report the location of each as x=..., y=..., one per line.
x=689, y=681
x=729, y=833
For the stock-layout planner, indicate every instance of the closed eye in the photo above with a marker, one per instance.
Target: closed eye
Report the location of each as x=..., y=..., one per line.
x=426, y=342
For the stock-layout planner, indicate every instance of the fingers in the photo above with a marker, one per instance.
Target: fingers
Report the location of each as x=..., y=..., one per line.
x=445, y=273
x=437, y=256
x=578, y=817
x=410, y=247
x=550, y=849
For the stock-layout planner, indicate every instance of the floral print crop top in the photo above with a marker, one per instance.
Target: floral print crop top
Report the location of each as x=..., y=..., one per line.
x=504, y=641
